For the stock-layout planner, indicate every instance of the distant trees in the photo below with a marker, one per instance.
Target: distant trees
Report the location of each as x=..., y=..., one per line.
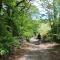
x=52, y=8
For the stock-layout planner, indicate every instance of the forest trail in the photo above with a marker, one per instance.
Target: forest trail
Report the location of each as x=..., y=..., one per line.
x=22, y=53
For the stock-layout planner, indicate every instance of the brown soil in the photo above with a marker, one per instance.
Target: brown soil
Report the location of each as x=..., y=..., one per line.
x=19, y=53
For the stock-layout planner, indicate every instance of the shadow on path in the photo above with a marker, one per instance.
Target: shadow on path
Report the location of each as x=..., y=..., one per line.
x=37, y=52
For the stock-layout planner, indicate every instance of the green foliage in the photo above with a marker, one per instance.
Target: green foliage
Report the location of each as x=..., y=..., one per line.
x=15, y=21
x=11, y=24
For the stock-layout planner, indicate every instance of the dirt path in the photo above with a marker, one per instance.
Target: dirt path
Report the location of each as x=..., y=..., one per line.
x=28, y=47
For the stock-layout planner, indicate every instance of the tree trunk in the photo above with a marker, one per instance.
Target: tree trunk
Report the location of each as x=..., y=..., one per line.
x=0, y=5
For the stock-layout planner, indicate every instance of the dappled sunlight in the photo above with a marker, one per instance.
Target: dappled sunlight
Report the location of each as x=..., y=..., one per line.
x=33, y=47
x=44, y=28
x=33, y=51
